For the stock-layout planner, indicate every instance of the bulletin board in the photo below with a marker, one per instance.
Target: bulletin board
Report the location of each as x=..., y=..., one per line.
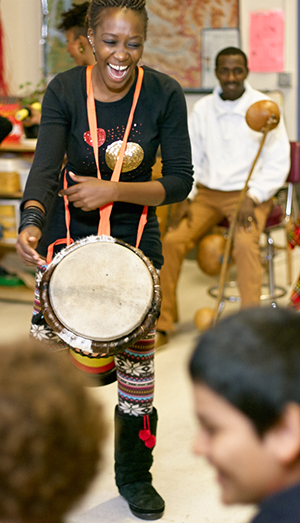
x=173, y=44
x=213, y=41
x=175, y=35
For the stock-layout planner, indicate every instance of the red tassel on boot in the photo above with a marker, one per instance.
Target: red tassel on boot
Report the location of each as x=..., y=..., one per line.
x=145, y=434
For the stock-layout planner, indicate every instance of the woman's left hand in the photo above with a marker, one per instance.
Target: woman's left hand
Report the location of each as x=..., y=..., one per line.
x=89, y=193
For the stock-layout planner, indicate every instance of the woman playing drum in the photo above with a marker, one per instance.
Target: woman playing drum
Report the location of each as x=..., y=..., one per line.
x=117, y=32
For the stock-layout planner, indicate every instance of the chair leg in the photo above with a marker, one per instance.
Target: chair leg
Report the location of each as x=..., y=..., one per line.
x=288, y=255
x=273, y=291
x=270, y=257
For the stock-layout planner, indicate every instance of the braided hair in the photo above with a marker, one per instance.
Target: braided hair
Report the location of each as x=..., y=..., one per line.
x=97, y=7
x=75, y=18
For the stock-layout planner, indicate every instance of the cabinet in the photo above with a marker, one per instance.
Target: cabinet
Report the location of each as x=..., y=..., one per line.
x=13, y=155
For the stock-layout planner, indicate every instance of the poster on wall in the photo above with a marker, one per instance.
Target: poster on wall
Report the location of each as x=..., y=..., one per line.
x=266, y=45
x=213, y=41
x=173, y=44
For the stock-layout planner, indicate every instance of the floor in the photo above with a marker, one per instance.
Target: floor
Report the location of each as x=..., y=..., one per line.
x=185, y=481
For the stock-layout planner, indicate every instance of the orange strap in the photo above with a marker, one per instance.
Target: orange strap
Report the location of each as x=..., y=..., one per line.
x=105, y=211
x=141, y=226
x=68, y=240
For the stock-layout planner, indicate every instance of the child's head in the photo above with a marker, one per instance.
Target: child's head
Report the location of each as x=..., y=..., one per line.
x=246, y=376
x=52, y=433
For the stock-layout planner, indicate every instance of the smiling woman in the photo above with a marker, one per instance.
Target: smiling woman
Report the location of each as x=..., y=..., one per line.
x=94, y=115
x=118, y=43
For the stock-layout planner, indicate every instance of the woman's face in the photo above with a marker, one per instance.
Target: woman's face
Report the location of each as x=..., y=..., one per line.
x=119, y=44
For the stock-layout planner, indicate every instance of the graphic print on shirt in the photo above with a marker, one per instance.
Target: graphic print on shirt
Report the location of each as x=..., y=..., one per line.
x=110, y=142
x=101, y=137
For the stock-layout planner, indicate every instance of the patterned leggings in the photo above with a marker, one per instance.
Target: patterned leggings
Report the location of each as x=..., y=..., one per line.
x=134, y=366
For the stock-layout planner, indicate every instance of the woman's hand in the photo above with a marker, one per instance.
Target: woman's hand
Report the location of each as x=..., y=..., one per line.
x=89, y=193
x=26, y=244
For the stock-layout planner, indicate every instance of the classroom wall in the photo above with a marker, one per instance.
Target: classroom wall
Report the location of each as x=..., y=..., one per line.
x=23, y=52
x=22, y=22
x=269, y=81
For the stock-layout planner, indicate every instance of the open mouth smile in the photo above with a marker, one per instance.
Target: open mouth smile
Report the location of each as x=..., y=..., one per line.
x=117, y=72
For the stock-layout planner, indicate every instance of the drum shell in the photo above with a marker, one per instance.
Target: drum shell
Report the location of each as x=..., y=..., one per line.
x=210, y=253
x=100, y=371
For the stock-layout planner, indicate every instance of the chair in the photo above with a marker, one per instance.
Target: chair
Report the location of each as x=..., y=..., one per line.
x=279, y=218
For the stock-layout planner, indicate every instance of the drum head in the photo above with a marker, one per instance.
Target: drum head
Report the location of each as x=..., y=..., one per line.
x=100, y=291
x=106, y=300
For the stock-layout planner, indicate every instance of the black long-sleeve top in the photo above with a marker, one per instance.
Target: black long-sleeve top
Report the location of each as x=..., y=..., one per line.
x=281, y=507
x=160, y=119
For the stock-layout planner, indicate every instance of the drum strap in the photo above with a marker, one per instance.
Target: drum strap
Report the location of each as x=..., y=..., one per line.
x=105, y=211
x=68, y=240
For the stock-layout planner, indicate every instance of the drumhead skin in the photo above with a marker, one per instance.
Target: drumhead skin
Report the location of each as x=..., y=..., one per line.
x=106, y=300
x=100, y=294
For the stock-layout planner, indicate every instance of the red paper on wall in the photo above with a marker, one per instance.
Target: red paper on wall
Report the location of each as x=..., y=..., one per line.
x=266, y=46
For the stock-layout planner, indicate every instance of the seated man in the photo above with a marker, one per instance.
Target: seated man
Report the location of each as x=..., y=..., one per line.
x=51, y=432
x=223, y=150
x=246, y=383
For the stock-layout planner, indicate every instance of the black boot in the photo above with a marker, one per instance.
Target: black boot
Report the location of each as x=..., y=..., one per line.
x=133, y=459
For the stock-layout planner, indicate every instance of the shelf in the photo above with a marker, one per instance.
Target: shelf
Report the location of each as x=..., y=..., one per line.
x=10, y=245
x=18, y=147
x=11, y=196
x=18, y=294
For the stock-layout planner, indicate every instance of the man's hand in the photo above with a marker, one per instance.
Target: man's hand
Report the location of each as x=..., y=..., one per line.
x=183, y=210
x=246, y=217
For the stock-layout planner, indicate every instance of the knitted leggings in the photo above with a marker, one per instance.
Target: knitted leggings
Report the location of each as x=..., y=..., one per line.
x=134, y=366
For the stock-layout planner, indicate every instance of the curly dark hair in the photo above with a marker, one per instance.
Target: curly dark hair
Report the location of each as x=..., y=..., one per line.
x=252, y=359
x=50, y=431
x=96, y=8
x=75, y=18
